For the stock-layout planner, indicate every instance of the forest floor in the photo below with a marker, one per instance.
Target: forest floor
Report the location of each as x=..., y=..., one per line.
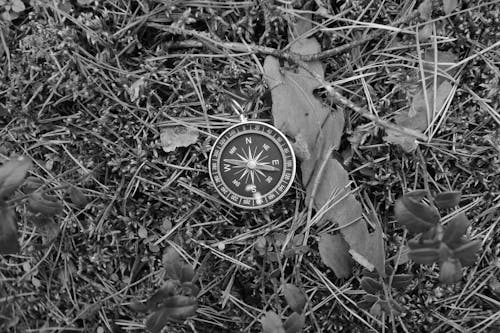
x=88, y=87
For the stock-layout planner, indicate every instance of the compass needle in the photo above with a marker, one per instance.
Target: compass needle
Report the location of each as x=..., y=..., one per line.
x=266, y=167
x=237, y=163
x=252, y=176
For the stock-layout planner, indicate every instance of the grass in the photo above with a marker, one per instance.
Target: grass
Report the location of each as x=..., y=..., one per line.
x=86, y=88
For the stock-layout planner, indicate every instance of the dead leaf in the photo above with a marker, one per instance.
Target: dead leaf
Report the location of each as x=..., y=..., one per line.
x=177, y=136
x=425, y=9
x=136, y=89
x=449, y=6
x=408, y=143
x=372, y=252
x=334, y=252
x=300, y=148
x=271, y=323
x=294, y=323
x=425, y=33
x=300, y=114
x=12, y=174
x=346, y=211
x=8, y=231
x=445, y=61
x=303, y=24
x=294, y=297
x=416, y=117
x=295, y=108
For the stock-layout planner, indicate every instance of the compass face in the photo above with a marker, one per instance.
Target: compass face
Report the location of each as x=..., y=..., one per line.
x=252, y=165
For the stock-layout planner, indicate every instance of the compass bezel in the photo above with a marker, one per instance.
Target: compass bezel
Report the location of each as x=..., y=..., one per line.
x=283, y=169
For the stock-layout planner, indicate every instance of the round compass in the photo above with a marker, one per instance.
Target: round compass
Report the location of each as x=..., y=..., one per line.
x=252, y=165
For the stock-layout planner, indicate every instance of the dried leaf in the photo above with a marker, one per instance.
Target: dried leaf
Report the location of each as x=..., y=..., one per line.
x=366, y=248
x=446, y=200
x=85, y=2
x=142, y=232
x=300, y=114
x=415, y=216
x=8, y=231
x=176, y=308
x=294, y=297
x=408, y=143
x=18, y=6
x=136, y=89
x=369, y=249
x=295, y=108
x=333, y=250
x=12, y=174
x=425, y=9
x=455, y=229
x=177, y=136
x=449, y=6
x=494, y=285
x=416, y=117
x=445, y=61
x=294, y=323
x=425, y=32
x=361, y=260
x=271, y=323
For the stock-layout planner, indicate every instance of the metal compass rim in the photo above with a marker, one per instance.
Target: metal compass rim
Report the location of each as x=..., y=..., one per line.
x=286, y=143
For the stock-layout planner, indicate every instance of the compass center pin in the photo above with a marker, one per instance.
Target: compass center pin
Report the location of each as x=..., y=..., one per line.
x=252, y=164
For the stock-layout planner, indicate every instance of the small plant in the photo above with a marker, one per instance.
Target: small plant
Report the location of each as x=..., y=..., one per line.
x=176, y=299
x=433, y=242
x=12, y=174
x=42, y=207
x=11, y=9
x=271, y=322
x=377, y=301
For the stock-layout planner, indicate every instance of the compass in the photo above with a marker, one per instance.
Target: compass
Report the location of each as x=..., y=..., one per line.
x=252, y=165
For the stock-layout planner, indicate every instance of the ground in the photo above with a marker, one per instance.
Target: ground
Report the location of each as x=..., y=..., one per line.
x=87, y=87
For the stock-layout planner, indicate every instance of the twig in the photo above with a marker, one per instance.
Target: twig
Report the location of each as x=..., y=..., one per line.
x=289, y=56
x=365, y=114
x=355, y=43
x=337, y=97
x=324, y=160
x=301, y=59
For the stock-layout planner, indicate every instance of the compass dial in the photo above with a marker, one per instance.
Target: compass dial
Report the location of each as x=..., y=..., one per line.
x=252, y=165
